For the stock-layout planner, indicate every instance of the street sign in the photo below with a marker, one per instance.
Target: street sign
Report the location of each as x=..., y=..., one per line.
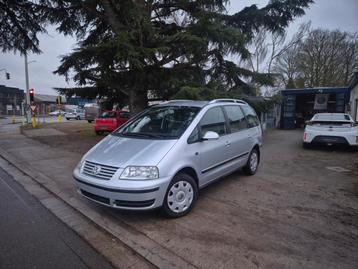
x=33, y=108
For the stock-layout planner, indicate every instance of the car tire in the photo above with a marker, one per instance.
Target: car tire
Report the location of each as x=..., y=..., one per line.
x=252, y=162
x=99, y=132
x=89, y=121
x=67, y=118
x=180, y=196
x=306, y=145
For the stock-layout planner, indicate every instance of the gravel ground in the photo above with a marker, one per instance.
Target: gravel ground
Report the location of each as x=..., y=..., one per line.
x=299, y=210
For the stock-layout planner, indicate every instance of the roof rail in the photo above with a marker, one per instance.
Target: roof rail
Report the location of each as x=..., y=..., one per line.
x=176, y=100
x=227, y=100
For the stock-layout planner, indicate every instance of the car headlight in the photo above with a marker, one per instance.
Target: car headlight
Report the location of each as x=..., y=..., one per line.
x=79, y=165
x=140, y=172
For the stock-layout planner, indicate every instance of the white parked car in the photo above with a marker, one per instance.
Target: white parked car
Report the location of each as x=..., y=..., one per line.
x=75, y=114
x=331, y=128
x=56, y=113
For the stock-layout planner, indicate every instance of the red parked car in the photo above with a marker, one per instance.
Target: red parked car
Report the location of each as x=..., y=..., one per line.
x=108, y=121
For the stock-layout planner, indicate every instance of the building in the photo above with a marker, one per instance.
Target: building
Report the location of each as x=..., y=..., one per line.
x=299, y=105
x=46, y=103
x=354, y=96
x=78, y=101
x=11, y=100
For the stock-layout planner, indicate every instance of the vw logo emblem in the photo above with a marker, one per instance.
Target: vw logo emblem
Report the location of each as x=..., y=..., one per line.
x=96, y=170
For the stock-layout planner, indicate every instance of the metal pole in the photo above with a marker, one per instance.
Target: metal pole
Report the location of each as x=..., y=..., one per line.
x=27, y=99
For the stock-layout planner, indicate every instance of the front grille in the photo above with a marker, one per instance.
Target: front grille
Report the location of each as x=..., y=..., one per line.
x=98, y=170
x=95, y=197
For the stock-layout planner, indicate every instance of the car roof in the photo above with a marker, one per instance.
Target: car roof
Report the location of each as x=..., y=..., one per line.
x=193, y=103
x=184, y=103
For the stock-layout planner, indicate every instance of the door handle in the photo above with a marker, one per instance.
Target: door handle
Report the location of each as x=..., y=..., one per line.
x=227, y=144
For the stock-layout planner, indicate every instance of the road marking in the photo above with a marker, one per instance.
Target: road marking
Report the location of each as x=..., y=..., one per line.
x=337, y=169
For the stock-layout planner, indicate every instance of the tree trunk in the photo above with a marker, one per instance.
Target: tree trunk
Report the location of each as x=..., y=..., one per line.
x=138, y=101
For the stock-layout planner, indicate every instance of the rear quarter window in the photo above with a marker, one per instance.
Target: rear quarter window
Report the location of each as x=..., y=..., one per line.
x=251, y=116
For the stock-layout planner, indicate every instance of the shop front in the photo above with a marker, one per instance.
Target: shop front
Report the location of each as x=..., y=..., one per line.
x=299, y=105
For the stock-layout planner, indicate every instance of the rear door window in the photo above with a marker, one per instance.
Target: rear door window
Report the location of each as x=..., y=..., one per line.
x=108, y=114
x=251, y=117
x=214, y=120
x=236, y=118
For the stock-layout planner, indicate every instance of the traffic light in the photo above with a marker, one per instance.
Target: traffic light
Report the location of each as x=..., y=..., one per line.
x=7, y=75
x=32, y=94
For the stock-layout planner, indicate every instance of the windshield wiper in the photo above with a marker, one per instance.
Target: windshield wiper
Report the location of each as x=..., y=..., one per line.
x=138, y=134
x=146, y=135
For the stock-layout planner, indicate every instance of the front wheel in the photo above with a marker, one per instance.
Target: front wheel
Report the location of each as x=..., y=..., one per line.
x=252, y=163
x=180, y=197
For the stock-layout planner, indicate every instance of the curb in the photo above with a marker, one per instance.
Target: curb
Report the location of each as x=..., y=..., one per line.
x=145, y=247
x=100, y=240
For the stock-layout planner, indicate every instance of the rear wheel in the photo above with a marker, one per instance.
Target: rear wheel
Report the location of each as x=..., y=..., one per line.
x=78, y=118
x=89, y=121
x=252, y=163
x=180, y=197
x=306, y=145
x=67, y=118
x=99, y=132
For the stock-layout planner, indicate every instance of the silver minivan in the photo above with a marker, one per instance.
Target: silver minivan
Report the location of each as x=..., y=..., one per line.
x=165, y=154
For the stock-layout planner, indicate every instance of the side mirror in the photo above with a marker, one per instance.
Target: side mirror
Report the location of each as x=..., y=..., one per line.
x=210, y=135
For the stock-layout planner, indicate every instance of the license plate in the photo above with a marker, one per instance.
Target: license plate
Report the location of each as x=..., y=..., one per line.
x=103, y=127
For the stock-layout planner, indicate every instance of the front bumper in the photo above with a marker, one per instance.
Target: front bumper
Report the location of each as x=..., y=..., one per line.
x=330, y=137
x=123, y=194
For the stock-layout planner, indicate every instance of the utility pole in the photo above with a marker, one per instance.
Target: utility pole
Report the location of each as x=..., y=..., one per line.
x=27, y=99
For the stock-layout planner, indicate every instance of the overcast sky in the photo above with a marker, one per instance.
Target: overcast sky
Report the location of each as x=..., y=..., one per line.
x=327, y=14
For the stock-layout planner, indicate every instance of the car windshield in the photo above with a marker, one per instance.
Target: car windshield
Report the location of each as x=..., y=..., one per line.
x=163, y=122
x=108, y=114
x=331, y=117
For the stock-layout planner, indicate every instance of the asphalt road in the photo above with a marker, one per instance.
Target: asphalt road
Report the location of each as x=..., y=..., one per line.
x=31, y=237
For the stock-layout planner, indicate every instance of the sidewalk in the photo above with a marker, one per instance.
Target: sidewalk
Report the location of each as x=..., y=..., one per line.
x=52, y=168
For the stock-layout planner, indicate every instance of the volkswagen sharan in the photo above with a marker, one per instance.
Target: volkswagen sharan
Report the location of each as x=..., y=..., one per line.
x=162, y=157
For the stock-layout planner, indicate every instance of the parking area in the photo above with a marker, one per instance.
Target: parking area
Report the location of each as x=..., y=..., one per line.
x=299, y=210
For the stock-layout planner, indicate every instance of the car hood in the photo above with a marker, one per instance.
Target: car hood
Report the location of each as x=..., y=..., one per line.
x=122, y=151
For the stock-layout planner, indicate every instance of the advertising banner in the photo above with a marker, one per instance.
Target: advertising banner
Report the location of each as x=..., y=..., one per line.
x=321, y=101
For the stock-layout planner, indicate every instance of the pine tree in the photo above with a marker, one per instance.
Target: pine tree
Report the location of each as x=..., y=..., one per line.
x=21, y=21
x=129, y=48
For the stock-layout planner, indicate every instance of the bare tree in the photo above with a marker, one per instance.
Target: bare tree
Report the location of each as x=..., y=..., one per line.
x=266, y=47
x=265, y=50
x=326, y=58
